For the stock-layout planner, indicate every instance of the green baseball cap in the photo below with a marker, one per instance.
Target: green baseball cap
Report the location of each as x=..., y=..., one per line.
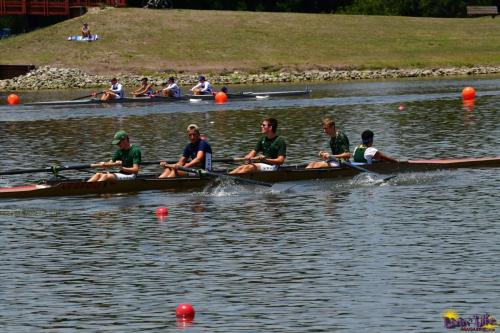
x=120, y=135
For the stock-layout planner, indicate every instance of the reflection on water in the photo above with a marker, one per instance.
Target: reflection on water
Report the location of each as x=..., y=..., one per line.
x=325, y=256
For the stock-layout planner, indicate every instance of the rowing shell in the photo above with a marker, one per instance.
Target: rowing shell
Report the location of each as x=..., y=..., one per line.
x=162, y=99
x=59, y=187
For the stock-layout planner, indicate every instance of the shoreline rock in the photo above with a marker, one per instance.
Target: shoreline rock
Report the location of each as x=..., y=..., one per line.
x=47, y=78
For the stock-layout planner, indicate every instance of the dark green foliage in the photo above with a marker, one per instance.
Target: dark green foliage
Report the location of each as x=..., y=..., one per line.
x=423, y=8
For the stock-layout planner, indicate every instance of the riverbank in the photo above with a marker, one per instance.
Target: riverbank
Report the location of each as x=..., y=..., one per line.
x=322, y=46
x=47, y=77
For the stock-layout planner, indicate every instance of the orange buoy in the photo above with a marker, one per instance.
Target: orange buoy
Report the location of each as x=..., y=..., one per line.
x=220, y=98
x=161, y=211
x=468, y=93
x=185, y=312
x=13, y=99
x=401, y=107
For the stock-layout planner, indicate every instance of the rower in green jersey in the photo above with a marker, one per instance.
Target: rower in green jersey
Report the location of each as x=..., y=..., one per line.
x=366, y=153
x=272, y=147
x=339, y=144
x=127, y=156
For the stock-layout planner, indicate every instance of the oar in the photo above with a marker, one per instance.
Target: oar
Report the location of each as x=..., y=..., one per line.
x=56, y=168
x=357, y=167
x=92, y=95
x=215, y=160
x=200, y=172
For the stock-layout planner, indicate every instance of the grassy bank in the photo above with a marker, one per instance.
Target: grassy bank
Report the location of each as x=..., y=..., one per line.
x=144, y=41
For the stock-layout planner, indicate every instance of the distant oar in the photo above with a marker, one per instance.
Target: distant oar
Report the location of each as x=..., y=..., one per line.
x=92, y=95
x=274, y=187
x=55, y=168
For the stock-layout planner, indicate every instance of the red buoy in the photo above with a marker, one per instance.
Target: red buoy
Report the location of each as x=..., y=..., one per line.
x=13, y=99
x=468, y=93
x=185, y=312
x=162, y=211
x=220, y=98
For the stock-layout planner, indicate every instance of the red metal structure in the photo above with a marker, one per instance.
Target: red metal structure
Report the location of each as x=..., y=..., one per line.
x=53, y=7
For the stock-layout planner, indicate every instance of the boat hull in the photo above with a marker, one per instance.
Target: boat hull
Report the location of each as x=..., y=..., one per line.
x=162, y=99
x=289, y=173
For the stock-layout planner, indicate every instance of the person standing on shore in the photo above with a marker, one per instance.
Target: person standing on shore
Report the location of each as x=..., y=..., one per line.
x=203, y=87
x=115, y=92
x=272, y=146
x=172, y=89
x=127, y=156
x=339, y=144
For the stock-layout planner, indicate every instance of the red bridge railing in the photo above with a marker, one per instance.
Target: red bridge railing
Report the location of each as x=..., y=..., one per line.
x=52, y=7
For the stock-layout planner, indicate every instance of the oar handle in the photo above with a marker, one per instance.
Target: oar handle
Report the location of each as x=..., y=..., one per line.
x=105, y=165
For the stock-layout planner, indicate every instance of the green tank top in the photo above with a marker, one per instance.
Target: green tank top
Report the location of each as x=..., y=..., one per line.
x=359, y=154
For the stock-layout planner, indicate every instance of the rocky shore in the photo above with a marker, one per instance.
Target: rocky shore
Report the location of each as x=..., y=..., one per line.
x=67, y=78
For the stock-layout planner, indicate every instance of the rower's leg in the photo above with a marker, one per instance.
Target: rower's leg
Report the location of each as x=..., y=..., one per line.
x=105, y=177
x=168, y=173
x=315, y=165
x=244, y=169
x=94, y=178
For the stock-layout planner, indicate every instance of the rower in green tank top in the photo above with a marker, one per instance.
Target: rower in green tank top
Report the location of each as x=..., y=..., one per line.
x=272, y=147
x=339, y=145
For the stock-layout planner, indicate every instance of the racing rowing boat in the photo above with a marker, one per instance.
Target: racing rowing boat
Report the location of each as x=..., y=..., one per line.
x=162, y=99
x=65, y=187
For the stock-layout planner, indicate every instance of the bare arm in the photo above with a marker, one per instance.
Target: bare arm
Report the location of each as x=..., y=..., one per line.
x=197, y=160
x=381, y=157
x=274, y=161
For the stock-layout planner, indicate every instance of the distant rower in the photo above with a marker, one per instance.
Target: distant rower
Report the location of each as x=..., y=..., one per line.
x=146, y=89
x=115, y=92
x=203, y=87
x=172, y=89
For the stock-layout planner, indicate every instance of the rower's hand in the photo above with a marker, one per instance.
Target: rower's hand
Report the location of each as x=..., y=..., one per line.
x=248, y=159
x=261, y=158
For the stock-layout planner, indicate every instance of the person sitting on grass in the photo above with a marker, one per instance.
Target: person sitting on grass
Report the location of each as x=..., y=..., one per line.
x=86, y=31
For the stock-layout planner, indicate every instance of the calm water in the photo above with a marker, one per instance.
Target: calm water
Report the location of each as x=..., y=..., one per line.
x=335, y=256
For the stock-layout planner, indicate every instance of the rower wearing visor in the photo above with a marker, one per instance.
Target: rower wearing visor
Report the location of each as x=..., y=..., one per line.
x=127, y=156
x=115, y=92
x=272, y=147
x=366, y=153
x=203, y=87
x=172, y=89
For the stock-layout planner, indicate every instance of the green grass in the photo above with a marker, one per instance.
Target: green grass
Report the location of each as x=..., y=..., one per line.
x=139, y=41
